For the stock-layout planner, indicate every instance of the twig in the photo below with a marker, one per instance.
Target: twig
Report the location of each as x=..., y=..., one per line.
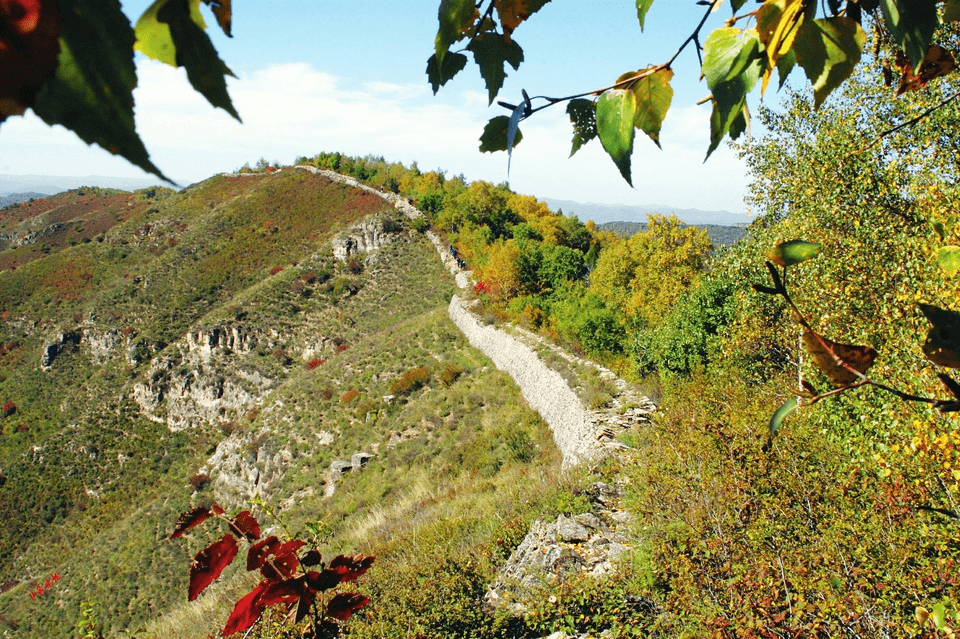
x=910, y=122
x=693, y=37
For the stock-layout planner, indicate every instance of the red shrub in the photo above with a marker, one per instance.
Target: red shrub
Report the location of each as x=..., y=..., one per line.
x=9, y=408
x=350, y=395
x=481, y=288
x=313, y=363
x=199, y=480
x=22, y=428
x=342, y=347
x=275, y=270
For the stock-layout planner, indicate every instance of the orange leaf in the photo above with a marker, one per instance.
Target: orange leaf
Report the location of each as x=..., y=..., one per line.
x=513, y=12
x=938, y=62
x=827, y=357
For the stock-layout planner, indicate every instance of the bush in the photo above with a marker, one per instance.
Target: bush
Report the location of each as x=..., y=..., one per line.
x=199, y=481
x=683, y=342
x=410, y=381
x=350, y=395
x=449, y=374
x=9, y=408
x=354, y=265
x=313, y=363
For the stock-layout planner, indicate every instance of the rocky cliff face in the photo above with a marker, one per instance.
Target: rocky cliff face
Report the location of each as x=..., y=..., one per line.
x=204, y=379
x=365, y=237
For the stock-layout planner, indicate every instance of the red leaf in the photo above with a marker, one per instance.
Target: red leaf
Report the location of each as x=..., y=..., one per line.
x=244, y=525
x=304, y=606
x=286, y=591
x=209, y=563
x=284, y=563
x=351, y=568
x=345, y=604
x=246, y=612
x=320, y=581
x=311, y=558
x=217, y=510
x=189, y=519
x=259, y=552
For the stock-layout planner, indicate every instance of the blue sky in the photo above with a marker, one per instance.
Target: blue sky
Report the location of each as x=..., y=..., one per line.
x=319, y=75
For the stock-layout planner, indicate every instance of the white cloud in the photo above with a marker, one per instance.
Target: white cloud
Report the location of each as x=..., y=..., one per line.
x=290, y=110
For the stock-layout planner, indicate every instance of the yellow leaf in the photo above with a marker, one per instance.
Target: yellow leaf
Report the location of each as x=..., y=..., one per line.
x=777, y=24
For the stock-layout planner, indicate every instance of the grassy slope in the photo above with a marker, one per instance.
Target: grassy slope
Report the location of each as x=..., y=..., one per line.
x=92, y=488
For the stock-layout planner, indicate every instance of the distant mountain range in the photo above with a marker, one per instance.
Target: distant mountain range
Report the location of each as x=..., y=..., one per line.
x=38, y=185
x=601, y=213
x=53, y=184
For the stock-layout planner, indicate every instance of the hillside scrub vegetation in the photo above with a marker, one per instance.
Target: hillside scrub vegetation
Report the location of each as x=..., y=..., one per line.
x=845, y=522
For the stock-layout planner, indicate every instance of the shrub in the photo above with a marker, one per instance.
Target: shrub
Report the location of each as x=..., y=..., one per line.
x=313, y=363
x=199, y=481
x=327, y=393
x=350, y=395
x=275, y=270
x=410, y=381
x=9, y=408
x=419, y=224
x=354, y=265
x=449, y=374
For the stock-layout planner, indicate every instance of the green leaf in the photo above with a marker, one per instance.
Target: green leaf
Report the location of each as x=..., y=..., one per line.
x=794, y=252
x=194, y=51
x=440, y=74
x=583, y=117
x=92, y=91
x=727, y=53
x=735, y=67
x=491, y=51
x=740, y=123
x=828, y=50
x=785, y=64
x=642, y=7
x=948, y=258
x=736, y=4
x=153, y=36
x=911, y=23
x=494, y=136
x=786, y=409
x=653, y=96
x=454, y=16
x=615, y=114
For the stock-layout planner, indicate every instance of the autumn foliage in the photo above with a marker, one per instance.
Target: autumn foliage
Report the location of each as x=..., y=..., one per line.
x=289, y=579
x=29, y=47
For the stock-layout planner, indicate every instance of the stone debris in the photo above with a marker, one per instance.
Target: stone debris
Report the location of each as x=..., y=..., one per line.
x=586, y=543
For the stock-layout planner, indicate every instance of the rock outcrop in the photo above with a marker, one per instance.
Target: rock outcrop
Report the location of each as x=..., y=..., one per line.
x=205, y=380
x=245, y=466
x=365, y=237
x=588, y=543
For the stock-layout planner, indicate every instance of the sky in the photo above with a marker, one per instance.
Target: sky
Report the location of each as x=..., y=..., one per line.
x=349, y=76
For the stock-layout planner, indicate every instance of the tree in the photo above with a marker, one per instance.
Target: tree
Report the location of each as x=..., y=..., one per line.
x=71, y=61
x=643, y=276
